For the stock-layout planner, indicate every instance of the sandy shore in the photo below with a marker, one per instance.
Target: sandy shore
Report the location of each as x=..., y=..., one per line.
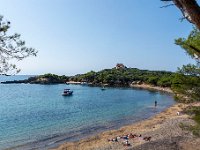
x=150, y=87
x=73, y=82
x=164, y=130
x=140, y=86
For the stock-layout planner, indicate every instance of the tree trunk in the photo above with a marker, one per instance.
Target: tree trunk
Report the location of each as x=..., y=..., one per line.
x=190, y=10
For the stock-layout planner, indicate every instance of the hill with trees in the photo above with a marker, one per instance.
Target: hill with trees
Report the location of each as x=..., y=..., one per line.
x=125, y=77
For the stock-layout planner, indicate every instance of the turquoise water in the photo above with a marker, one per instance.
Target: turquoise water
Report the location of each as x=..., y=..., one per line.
x=40, y=116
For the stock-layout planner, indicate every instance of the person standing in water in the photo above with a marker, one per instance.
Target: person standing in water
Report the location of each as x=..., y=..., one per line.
x=155, y=103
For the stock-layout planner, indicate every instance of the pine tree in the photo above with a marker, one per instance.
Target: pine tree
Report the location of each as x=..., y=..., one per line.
x=11, y=48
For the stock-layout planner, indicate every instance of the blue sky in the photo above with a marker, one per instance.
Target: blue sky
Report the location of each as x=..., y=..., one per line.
x=76, y=36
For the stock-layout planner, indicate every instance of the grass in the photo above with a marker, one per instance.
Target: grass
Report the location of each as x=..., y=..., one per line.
x=193, y=111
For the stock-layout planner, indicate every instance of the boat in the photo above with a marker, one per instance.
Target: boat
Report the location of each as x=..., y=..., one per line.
x=84, y=83
x=103, y=88
x=67, y=92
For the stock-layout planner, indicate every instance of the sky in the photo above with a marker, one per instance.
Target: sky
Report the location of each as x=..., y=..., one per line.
x=77, y=36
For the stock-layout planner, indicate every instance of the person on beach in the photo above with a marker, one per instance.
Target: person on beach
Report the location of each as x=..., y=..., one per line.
x=155, y=103
x=126, y=143
x=178, y=113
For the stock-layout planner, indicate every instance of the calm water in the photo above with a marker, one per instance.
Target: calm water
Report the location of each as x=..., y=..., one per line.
x=40, y=115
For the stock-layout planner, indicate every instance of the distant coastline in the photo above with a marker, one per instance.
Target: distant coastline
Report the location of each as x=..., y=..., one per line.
x=42, y=80
x=159, y=124
x=142, y=79
x=93, y=130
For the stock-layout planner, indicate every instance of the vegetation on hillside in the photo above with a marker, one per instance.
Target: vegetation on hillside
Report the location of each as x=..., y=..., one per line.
x=50, y=79
x=126, y=76
x=42, y=79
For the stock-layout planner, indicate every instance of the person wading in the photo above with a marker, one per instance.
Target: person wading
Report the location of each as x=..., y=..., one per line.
x=155, y=103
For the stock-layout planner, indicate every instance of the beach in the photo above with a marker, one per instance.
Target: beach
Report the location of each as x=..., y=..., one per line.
x=52, y=119
x=163, y=128
x=100, y=75
x=150, y=87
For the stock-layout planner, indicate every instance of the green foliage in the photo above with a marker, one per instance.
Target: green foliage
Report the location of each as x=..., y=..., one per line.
x=123, y=77
x=194, y=111
x=11, y=48
x=187, y=82
x=190, y=69
x=165, y=81
x=195, y=130
x=187, y=88
x=192, y=44
x=49, y=79
x=153, y=80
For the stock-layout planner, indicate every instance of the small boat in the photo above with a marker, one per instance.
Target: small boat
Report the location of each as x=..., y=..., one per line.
x=84, y=83
x=67, y=92
x=103, y=88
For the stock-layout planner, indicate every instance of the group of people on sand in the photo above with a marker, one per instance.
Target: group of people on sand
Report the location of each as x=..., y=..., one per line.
x=126, y=138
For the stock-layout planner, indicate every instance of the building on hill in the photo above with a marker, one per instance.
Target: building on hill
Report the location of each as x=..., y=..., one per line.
x=120, y=66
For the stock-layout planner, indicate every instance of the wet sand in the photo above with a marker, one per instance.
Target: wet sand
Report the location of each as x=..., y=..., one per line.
x=56, y=140
x=164, y=130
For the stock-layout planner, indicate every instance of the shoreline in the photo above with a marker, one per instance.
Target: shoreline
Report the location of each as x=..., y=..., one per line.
x=163, y=128
x=151, y=87
x=139, y=86
x=60, y=139
x=146, y=127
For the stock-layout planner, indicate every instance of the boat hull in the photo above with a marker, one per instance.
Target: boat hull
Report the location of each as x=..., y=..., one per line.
x=67, y=94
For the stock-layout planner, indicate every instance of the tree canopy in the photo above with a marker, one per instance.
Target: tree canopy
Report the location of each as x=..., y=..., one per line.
x=186, y=83
x=191, y=44
x=11, y=48
x=124, y=77
x=187, y=80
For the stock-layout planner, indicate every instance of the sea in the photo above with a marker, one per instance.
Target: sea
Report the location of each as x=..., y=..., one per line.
x=34, y=116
